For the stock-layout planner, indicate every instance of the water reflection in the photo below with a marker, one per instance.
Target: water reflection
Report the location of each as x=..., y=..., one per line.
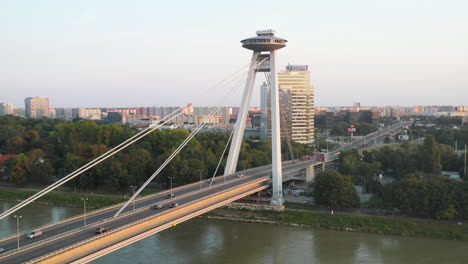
x=202, y=241
x=208, y=241
x=34, y=215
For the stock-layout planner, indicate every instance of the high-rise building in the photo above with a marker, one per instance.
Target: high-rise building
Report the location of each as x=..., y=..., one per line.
x=265, y=105
x=36, y=107
x=6, y=109
x=297, y=103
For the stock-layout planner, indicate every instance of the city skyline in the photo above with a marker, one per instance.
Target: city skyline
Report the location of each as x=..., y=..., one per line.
x=86, y=54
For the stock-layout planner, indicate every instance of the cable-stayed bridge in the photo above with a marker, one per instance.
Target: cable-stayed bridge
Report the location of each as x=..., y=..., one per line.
x=69, y=241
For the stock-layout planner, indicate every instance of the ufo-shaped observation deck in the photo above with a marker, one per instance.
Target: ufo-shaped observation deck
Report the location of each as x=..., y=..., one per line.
x=264, y=41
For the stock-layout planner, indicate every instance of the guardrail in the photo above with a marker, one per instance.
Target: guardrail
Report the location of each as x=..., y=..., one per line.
x=138, y=221
x=98, y=211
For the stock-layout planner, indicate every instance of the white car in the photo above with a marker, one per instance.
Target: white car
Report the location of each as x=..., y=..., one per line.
x=240, y=175
x=34, y=234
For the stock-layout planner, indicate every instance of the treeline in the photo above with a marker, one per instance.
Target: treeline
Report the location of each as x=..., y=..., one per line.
x=48, y=148
x=417, y=187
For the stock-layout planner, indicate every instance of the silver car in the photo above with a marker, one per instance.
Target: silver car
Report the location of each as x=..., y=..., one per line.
x=34, y=234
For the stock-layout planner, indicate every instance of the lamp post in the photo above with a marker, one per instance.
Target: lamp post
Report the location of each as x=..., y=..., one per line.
x=84, y=209
x=171, y=185
x=200, y=177
x=133, y=193
x=464, y=168
x=18, y=217
x=244, y=167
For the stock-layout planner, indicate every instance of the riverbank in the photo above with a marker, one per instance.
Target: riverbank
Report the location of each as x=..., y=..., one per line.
x=62, y=199
x=350, y=223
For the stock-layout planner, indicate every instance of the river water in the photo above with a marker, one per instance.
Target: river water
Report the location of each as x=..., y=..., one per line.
x=213, y=241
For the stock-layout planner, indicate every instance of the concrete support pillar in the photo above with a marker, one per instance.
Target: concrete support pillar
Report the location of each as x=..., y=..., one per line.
x=310, y=174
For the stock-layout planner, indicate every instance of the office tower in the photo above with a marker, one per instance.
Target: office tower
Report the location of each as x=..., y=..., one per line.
x=6, y=109
x=36, y=107
x=265, y=119
x=297, y=102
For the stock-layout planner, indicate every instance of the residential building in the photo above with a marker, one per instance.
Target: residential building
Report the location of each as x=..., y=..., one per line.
x=64, y=113
x=36, y=107
x=89, y=113
x=465, y=121
x=6, y=109
x=18, y=111
x=52, y=113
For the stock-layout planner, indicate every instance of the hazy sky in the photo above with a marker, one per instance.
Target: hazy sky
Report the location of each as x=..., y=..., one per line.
x=142, y=53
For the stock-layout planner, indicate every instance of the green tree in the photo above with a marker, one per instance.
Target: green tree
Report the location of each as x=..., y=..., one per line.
x=15, y=145
x=431, y=161
x=38, y=167
x=18, y=169
x=119, y=176
x=335, y=190
x=348, y=161
x=137, y=162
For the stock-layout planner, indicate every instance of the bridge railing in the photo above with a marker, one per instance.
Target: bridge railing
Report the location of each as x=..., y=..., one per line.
x=97, y=223
x=137, y=222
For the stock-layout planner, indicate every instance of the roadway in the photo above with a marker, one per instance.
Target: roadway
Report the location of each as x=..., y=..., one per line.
x=68, y=232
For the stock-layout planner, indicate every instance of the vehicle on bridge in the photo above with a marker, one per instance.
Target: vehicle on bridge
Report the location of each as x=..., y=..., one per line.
x=2, y=250
x=174, y=205
x=34, y=234
x=306, y=157
x=240, y=175
x=158, y=206
x=101, y=230
x=169, y=196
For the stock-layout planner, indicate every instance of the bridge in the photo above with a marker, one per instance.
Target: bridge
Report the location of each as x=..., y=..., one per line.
x=70, y=241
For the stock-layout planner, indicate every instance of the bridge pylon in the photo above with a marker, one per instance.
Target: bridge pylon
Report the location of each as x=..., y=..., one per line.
x=264, y=47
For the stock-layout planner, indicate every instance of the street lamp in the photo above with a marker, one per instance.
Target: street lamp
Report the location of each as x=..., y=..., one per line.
x=84, y=209
x=18, y=217
x=171, y=185
x=464, y=174
x=133, y=193
x=244, y=167
x=200, y=177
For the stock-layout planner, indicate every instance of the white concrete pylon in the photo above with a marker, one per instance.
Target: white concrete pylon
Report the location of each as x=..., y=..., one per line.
x=277, y=177
x=265, y=41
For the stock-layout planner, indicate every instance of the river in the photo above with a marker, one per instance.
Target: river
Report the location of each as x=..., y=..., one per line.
x=214, y=241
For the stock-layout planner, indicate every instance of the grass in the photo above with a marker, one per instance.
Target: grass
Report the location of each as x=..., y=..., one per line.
x=69, y=199
x=369, y=224
x=300, y=206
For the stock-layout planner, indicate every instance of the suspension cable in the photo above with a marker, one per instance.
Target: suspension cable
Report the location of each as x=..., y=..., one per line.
x=181, y=146
x=103, y=157
x=222, y=156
